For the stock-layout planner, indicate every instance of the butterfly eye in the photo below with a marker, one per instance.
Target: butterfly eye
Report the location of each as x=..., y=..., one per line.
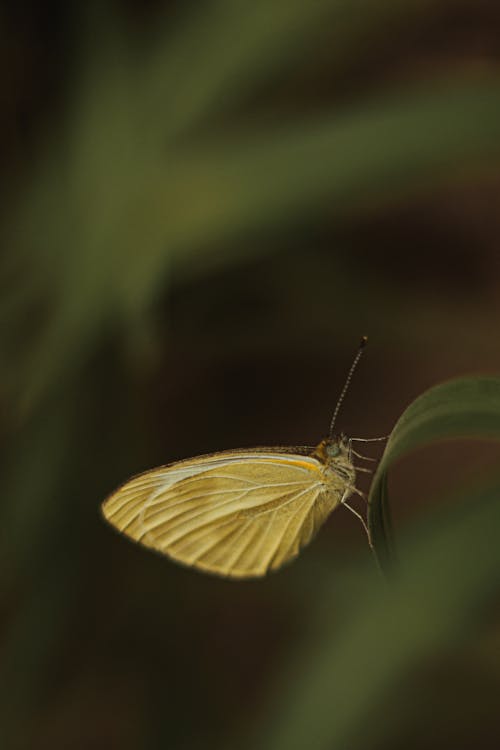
x=333, y=450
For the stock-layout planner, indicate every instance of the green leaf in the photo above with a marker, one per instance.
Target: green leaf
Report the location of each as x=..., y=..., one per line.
x=467, y=407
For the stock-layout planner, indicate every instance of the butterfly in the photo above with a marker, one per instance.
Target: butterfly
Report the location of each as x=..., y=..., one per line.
x=239, y=513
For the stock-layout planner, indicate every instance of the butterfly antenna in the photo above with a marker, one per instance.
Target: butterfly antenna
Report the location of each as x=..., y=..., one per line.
x=362, y=345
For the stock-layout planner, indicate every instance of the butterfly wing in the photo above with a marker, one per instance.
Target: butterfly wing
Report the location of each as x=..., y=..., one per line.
x=237, y=514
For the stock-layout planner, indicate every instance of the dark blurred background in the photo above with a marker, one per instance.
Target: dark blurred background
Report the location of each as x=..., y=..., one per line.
x=204, y=206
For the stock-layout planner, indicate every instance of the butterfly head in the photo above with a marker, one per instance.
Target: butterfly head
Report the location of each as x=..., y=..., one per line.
x=332, y=449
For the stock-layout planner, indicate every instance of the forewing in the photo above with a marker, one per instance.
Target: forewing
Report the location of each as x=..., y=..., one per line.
x=235, y=514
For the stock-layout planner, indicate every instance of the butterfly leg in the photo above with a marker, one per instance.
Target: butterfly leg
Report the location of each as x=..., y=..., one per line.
x=360, y=455
x=369, y=440
x=352, y=488
x=358, y=515
x=362, y=468
x=352, y=453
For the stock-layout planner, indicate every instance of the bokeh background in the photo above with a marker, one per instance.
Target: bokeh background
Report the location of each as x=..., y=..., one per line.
x=204, y=206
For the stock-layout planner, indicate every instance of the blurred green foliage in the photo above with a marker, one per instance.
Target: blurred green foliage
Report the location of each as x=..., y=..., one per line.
x=190, y=242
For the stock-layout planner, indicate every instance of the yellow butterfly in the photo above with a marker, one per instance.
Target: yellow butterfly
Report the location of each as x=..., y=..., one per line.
x=239, y=513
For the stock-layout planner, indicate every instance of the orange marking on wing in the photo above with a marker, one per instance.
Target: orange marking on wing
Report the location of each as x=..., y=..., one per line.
x=294, y=462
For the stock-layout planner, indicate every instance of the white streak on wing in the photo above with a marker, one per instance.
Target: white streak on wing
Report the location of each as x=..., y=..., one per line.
x=192, y=469
x=160, y=480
